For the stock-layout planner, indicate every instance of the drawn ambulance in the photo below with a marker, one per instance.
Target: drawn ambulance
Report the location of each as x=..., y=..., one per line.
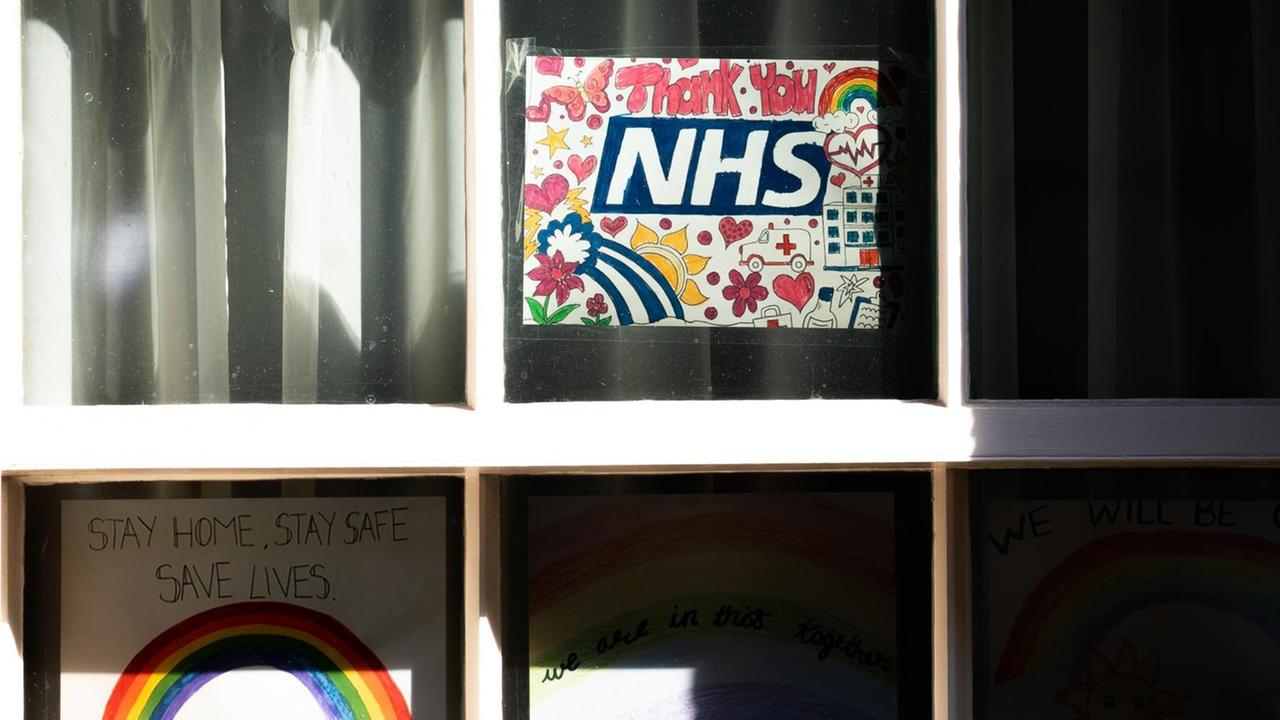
x=791, y=247
x=863, y=228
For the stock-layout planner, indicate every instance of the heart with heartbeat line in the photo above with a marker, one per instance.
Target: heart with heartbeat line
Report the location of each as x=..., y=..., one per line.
x=858, y=151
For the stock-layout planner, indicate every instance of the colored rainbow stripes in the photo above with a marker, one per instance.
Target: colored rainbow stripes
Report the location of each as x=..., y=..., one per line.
x=853, y=84
x=1110, y=579
x=344, y=676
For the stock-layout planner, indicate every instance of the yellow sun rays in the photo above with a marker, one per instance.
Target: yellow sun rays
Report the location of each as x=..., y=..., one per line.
x=669, y=253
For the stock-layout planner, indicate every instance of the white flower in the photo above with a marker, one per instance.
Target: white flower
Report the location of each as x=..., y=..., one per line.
x=571, y=245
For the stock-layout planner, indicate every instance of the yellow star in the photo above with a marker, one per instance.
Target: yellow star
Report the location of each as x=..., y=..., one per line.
x=586, y=141
x=555, y=140
x=537, y=172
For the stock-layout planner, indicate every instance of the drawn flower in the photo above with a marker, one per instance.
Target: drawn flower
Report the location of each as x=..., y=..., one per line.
x=744, y=292
x=596, y=305
x=574, y=238
x=570, y=243
x=554, y=274
x=669, y=255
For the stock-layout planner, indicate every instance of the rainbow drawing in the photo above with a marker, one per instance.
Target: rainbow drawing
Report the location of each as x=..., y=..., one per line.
x=1073, y=607
x=344, y=676
x=621, y=561
x=858, y=83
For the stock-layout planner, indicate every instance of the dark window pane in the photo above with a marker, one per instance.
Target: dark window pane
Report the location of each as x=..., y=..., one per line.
x=705, y=597
x=662, y=326
x=1126, y=593
x=1124, y=233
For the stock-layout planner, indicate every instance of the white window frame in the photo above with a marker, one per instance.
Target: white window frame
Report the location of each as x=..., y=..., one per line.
x=488, y=437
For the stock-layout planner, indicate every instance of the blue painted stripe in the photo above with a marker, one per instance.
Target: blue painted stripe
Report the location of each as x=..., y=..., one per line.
x=653, y=272
x=648, y=298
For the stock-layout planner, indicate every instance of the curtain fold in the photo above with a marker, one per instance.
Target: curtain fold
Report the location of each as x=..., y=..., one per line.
x=228, y=202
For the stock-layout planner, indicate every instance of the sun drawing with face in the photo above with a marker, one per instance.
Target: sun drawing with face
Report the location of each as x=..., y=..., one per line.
x=1125, y=690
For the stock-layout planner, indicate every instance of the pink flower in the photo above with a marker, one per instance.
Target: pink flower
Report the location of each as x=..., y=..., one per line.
x=553, y=273
x=596, y=305
x=744, y=293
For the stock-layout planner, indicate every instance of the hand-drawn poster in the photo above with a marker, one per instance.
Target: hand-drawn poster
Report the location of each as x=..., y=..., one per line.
x=713, y=192
x=1138, y=609
x=754, y=606
x=207, y=609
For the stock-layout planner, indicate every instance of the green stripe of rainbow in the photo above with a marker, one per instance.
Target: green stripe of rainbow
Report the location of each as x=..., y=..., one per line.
x=853, y=84
x=345, y=677
x=1108, y=580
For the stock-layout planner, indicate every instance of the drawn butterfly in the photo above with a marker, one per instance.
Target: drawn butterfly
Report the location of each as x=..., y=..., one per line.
x=575, y=97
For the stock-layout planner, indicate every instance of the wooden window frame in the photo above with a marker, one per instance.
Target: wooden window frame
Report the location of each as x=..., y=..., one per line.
x=487, y=437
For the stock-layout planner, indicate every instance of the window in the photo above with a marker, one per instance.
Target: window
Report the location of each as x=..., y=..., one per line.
x=977, y=448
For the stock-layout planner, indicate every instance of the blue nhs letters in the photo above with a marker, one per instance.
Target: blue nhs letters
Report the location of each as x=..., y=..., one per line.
x=680, y=166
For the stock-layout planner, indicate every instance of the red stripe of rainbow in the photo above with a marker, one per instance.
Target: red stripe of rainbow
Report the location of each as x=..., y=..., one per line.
x=853, y=84
x=1108, y=580
x=345, y=677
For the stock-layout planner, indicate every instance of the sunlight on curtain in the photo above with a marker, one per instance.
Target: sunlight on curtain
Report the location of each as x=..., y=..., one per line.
x=233, y=202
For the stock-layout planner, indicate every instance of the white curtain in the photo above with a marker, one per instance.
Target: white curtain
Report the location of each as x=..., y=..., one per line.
x=243, y=201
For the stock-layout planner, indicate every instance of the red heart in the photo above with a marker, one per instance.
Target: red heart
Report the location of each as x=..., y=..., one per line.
x=613, y=226
x=838, y=179
x=546, y=198
x=857, y=154
x=829, y=66
x=733, y=231
x=549, y=65
x=582, y=168
x=687, y=63
x=797, y=290
x=538, y=113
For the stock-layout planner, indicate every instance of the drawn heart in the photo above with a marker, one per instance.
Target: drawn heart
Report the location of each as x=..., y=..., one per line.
x=538, y=113
x=797, y=290
x=838, y=179
x=828, y=66
x=855, y=153
x=549, y=65
x=687, y=63
x=582, y=168
x=546, y=198
x=613, y=226
x=733, y=231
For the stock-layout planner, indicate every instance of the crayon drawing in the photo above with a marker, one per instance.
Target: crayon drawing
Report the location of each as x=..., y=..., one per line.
x=697, y=191
x=698, y=607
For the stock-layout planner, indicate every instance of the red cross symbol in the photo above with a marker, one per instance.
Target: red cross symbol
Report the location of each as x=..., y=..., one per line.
x=868, y=182
x=786, y=246
x=772, y=323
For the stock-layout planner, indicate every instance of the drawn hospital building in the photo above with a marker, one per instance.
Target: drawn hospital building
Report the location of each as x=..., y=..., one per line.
x=864, y=228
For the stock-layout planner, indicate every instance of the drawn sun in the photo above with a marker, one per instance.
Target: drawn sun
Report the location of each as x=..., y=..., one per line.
x=669, y=255
x=1124, y=690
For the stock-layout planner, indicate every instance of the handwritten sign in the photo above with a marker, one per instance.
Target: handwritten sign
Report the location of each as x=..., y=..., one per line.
x=699, y=606
x=253, y=608
x=1151, y=608
x=697, y=191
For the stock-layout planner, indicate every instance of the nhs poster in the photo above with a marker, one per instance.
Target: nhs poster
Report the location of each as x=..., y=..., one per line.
x=713, y=192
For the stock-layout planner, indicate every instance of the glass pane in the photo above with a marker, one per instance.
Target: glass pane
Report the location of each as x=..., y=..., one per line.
x=295, y=599
x=696, y=188
x=243, y=202
x=1104, y=186
x=1126, y=594
x=716, y=597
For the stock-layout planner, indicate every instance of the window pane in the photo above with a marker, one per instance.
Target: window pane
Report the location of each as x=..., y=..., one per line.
x=1126, y=593
x=752, y=597
x=695, y=166
x=243, y=202
x=297, y=599
x=1119, y=151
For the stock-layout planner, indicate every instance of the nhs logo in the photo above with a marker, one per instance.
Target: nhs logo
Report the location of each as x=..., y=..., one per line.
x=681, y=166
